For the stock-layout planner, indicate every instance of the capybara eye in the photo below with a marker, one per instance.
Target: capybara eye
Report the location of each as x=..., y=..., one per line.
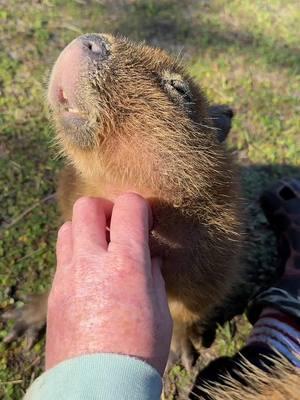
x=177, y=88
x=180, y=86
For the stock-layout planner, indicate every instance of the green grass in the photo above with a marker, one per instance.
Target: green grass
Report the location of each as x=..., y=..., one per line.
x=243, y=53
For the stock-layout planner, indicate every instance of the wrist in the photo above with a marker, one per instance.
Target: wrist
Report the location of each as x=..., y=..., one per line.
x=98, y=376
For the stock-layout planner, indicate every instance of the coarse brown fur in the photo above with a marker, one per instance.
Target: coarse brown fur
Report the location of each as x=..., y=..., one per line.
x=279, y=383
x=142, y=124
x=141, y=136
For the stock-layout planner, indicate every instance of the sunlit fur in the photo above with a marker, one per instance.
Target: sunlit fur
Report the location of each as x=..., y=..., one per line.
x=142, y=138
x=279, y=383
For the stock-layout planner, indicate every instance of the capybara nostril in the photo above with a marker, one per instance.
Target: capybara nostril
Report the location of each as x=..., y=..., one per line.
x=96, y=46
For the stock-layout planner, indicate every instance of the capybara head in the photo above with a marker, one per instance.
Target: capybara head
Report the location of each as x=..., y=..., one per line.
x=100, y=83
x=105, y=87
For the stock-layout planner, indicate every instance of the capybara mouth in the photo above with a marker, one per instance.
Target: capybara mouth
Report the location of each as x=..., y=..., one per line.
x=69, y=112
x=65, y=103
x=70, y=93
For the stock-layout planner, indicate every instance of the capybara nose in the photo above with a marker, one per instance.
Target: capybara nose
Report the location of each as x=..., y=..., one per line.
x=96, y=46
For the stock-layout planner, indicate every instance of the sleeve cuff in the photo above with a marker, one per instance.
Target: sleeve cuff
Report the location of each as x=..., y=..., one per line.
x=98, y=377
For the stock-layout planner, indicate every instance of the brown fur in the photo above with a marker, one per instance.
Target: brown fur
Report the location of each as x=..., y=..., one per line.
x=279, y=383
x=141, y=137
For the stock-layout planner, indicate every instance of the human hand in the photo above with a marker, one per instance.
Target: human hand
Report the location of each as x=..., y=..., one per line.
x=108, y=296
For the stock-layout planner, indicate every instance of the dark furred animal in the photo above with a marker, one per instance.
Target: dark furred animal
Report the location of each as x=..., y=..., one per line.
x=129, y=118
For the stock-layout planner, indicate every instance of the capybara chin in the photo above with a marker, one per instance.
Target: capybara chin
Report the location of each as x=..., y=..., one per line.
x=129, y=118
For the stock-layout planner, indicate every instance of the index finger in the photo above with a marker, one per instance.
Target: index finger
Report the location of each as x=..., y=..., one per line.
x=130, y=222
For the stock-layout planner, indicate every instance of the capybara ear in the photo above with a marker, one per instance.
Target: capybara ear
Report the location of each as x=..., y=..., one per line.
x=221, y=116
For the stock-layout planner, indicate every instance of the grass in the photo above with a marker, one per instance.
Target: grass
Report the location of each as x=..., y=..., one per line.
x=243, y=53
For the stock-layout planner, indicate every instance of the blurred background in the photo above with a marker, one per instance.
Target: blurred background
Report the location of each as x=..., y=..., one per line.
x=244, y=53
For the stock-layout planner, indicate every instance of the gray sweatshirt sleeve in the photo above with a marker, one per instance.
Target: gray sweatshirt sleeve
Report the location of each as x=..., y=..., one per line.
x=98, y=377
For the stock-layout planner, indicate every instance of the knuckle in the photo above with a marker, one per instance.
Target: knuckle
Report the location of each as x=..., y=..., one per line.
x=82, y=260
x=129, y=253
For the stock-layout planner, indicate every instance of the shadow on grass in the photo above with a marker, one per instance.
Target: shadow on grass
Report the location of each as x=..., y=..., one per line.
x=259, y=253
x=174, y=24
